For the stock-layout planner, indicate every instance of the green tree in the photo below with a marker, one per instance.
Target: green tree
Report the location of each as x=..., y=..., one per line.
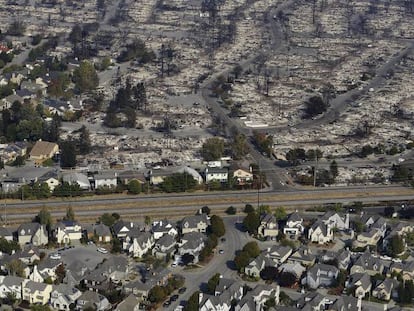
x=280, y=213
x=358, y=226
x=239, y=146
x=212, y=283
x=44, y=217
x=19, y=161
x=193, y=302
x=251, y=222
x=116, y=246
x=241, y=260
x=68, y=156
x=157, y=294
x=178, y=182
x=212, y=149
x=252, y=249
x=287, y=279
x=314, y=106
x=8, y=247
x=107, y=219
x=85, y=77
x=60, y=273
x=248, y=209
x=333, y=168
x=84, y=141
x=134, y=187
x=70, y=214
x=396, y=246
x=205, y=210
x=15, y=267
x=231, y=210
x=217, y=226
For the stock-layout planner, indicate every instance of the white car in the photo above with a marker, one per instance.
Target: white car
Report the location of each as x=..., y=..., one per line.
x=55, y=256
x=102, y=250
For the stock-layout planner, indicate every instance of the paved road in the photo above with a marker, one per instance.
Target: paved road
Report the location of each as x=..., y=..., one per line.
x=221, y=263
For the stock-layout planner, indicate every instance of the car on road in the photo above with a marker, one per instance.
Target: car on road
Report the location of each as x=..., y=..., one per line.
x=166, y=304
x=102, y=250
x=173, y=265
x=221, y=251
x=223, y=239
x=174, y=297
x=55, y=256
x=182, y=290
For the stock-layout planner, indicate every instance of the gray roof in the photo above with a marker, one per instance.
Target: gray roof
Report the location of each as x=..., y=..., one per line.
x=105, y=175
x=128, y=304
x=294, y=217
x=363, y=278
x=10, y=280
x=28, y=228
x=5, y=232
x=166, y=240
x=345, y=303
x=75, y=177
x=194, y=220
x=279, y=251
x=324, y=268
x=35, y=286
x=102, y=230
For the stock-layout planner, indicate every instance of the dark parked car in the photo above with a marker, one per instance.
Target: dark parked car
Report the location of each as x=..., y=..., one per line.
x=182, y=290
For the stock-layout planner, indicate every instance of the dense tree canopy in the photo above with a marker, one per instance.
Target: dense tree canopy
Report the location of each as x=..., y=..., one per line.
x=85, y=77
x=213, y=149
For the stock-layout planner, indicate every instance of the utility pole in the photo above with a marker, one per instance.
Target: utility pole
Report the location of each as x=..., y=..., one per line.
x=258, y=187
x=315, y=169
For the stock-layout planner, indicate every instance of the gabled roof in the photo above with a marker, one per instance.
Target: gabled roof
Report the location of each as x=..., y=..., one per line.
x=102, y=230
x=294, y=217
x=5, y=232
x=128, y=304
x=42, y=148
x=29, y=228
x=362, y=278
x=194, y=220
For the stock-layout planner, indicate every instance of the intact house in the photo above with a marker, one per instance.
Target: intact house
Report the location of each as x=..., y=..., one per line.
x=217, y=174
x=162, y=227
x=93, y=300
x=36, y=292
x=63, y=296
x=278, y=253
x=303, y=255
x=242, y=176
x=122, y=228
x=268, y=227
x=406, y=269
x=360, y=283
x=341, y=257
x=385, y=289
x=197, y=223
x=105, y=179
x=138, y=244
x=43, y=150
x=336, y=220
x=228, y=292
x=11, y=285
x=77, y=178
x=6, y=233
x=33, y=233
x=102, y=233
x=191, y=243
x=320, y=275
x=367, y=264
x=67, y=231
x=130, y=303
x=257, y=264
x=294, y=225
x=320, y=233
x=45, y=269
x=115, y=268
x=164, y=246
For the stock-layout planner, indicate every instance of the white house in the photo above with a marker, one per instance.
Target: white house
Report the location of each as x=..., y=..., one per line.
x=294, y=225
x=320, y=233
x=63, y=296
x=216, y=174
x=336, y=220
x=11, y=285
x=66, y=231
x=321, y=275
x=139, y=245
x=105, y=179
